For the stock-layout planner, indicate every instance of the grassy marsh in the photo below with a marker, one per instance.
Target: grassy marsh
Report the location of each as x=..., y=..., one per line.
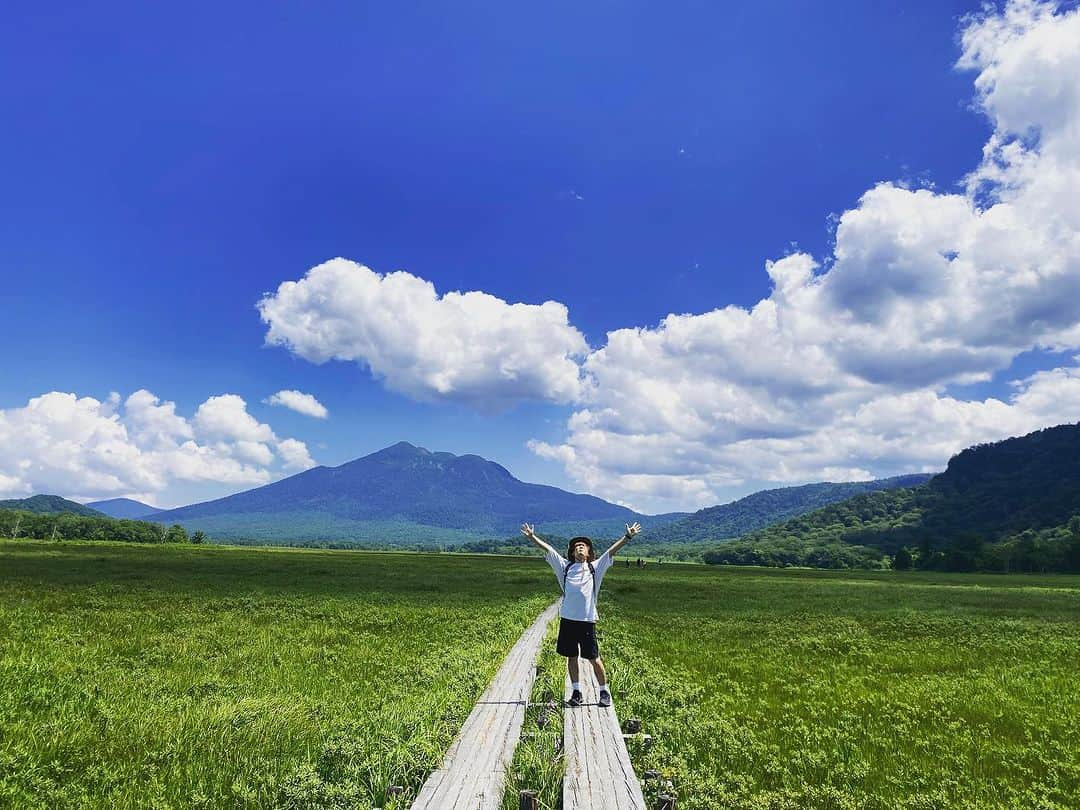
x=178, y=676
x=172, y=676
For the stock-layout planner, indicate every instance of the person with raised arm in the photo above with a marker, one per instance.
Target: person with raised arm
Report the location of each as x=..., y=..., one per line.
x=579, y=574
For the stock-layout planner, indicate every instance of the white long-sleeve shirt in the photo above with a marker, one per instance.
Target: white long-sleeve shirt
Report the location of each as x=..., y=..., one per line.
x=579, y=598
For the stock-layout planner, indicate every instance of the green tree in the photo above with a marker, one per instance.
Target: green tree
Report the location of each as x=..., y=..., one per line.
x=1024, y=557
x=1072, y=546
x=902, y=560
x=926, y=551
x=964, y=553
x=176, y=534
x=198, y=537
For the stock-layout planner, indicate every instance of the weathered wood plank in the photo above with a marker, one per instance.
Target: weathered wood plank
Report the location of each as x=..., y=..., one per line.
x=473, y=772
x=599, y=774
x=468, y=780
x=477, y=755
x=495, y=739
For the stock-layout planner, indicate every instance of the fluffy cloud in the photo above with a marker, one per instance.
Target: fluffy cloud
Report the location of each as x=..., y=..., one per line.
x=226, y=417
x=843, y=371
x=469, y=347
x=887, y=435
x=295, y=455
x=82, y=447
x=299, y=402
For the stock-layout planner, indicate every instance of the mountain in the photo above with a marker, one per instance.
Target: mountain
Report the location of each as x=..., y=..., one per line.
x=124, y=508
x=48, y=505
x=405, y=493
x=772, y=506
x=1011, y=505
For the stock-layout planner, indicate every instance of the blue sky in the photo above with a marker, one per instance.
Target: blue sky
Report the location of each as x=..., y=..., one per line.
x=166, y=167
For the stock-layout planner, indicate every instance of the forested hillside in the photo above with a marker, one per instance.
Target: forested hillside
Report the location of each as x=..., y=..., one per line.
x=772, y=506
x=1012, y=505
x=49, y=504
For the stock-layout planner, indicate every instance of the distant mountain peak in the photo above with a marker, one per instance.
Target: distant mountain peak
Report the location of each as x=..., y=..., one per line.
x=124, y=508
x=401, y=484
x=402, y=448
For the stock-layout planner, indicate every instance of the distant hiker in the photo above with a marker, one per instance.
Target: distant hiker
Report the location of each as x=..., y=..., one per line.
x=580, y=574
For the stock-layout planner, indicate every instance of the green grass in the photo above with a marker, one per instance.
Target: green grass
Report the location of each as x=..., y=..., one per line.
x=170, y=676
x=538, y=761
x=178, y=676
x=808, y=689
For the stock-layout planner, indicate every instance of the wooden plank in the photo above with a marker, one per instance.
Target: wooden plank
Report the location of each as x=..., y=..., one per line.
x=491, y=744
x=473, y=786
x=473, y=751
x=599, y=774
x=473, y=772
x=473, y=760
x=476, y=750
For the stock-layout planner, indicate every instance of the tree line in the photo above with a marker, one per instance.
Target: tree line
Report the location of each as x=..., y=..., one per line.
x=17, y=523
x=1051, y=550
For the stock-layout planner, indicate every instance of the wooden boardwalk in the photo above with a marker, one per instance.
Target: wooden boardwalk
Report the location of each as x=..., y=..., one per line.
x=473, y=773
x=599, y=775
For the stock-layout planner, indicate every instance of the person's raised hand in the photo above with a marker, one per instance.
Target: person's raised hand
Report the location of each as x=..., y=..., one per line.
x=527, y=530
x=631, y=530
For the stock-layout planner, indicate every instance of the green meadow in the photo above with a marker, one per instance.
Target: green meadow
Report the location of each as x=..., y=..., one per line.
x=179, y=676
x=185, y=676
x=772, y=688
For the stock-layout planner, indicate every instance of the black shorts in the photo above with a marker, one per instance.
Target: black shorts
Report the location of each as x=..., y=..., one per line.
x=577, y=638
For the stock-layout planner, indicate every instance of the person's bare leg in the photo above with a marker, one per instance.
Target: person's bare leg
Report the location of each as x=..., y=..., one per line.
x=598, y=670
x=572, y=668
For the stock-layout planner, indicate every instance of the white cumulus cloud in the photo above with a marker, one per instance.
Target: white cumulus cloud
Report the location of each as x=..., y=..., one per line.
x=468, y=347
x=82, y=447
x=299, y=402
x=226, y=417
x=294, y=454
